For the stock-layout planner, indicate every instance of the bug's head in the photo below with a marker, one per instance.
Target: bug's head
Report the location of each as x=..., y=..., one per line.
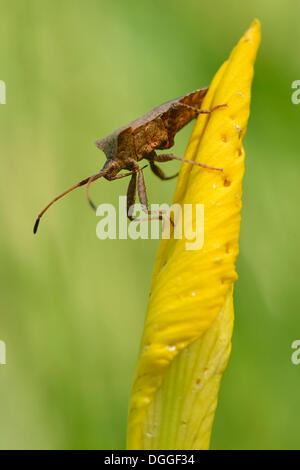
x=108, y=145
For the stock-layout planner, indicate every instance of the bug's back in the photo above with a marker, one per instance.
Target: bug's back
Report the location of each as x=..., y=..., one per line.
x=181, y=115
x=194, y=99
x=155, y=129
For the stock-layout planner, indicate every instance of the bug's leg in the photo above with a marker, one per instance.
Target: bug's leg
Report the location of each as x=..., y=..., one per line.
x=158, y=172
x=118, y=177
x=166, y=157
x=156, y=169
x=131, y=189
x=141, y=187
x=142, y=191
x=110, y=178
x=131, y=195
x=142, y=196
x=203, y=111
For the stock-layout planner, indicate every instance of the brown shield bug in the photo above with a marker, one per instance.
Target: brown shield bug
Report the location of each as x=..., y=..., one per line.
x=127, y=146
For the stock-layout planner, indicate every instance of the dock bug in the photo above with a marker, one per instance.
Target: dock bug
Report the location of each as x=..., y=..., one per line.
x=127, y=146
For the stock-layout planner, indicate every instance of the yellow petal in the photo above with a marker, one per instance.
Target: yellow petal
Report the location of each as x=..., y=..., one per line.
x=187, y=334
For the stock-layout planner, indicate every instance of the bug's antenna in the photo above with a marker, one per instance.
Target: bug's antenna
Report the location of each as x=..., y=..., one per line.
x=90, y=180
x=81, y=183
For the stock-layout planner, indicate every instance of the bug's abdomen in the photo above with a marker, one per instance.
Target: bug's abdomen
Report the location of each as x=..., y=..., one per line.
x=195, y=98
x=180, y=115
x=152, y=135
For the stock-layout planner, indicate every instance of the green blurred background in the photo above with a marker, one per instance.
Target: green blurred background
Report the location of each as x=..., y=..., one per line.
x=72, y=306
